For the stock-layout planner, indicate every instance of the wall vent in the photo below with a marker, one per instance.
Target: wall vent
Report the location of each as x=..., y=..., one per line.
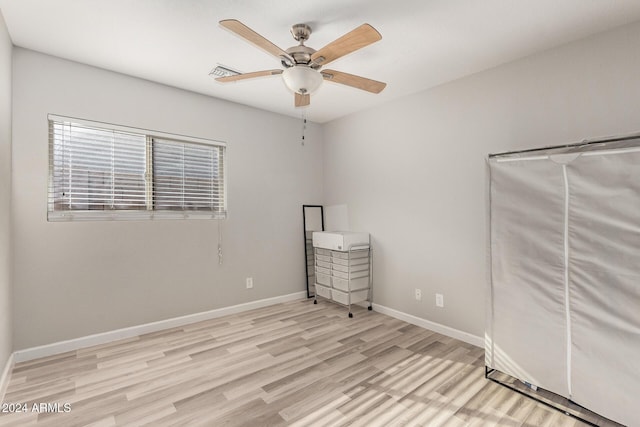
x=222, y=71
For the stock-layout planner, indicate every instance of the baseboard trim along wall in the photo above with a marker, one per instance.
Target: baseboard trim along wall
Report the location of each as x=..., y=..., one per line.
x=133, y=331
x=4, y=379
x=433, y=326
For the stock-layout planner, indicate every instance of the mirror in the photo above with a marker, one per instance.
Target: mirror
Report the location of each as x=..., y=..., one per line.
x=312, y=220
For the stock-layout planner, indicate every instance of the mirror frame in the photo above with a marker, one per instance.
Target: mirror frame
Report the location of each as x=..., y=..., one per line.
x=304, y=235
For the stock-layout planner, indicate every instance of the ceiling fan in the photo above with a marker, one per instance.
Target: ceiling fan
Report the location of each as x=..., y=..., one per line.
x=302, y=72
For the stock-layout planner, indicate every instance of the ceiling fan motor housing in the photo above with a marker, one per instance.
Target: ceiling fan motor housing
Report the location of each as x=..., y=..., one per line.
x=300, y=32
x=301, y=54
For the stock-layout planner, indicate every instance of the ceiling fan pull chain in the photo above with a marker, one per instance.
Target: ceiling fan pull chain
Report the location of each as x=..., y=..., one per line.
x=304, y=127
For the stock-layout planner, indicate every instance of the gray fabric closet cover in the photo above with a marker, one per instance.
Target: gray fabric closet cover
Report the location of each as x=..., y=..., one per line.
x=527, y=246
x=564, y=294
x=604, y=236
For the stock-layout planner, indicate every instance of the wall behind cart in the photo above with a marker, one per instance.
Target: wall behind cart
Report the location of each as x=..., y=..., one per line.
x=79, y=278
x=412, y=172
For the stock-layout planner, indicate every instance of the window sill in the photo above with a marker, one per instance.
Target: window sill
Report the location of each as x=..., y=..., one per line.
x=62, y=216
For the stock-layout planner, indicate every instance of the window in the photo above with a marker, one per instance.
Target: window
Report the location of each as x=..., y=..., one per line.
x=185, y=176
x=100, y=171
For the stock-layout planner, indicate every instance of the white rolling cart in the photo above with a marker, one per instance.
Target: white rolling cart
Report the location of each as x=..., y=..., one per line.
x=343, y=267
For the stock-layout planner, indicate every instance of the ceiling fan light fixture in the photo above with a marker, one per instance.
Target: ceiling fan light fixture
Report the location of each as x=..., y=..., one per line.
x=302, y=79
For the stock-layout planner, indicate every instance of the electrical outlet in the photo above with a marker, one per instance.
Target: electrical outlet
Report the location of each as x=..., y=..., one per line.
x=249, y=282
x=418, y=295
x=439, y=300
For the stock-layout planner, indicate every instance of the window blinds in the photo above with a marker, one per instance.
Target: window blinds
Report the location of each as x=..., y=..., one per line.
x=187, y=177
x=96, y=169
x=100, y=171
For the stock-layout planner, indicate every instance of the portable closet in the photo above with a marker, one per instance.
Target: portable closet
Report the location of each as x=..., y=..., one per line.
x=563, y=301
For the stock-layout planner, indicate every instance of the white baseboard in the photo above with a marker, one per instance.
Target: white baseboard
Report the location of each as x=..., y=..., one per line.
x=4, y=379
x=433, y=326
x=133, y=331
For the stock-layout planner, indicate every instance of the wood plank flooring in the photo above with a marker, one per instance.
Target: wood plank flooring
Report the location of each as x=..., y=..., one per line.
x=295, y=364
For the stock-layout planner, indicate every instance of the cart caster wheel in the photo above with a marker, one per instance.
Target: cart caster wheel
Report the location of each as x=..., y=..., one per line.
x=370, y=308
x=351, y=315
x=315, y=301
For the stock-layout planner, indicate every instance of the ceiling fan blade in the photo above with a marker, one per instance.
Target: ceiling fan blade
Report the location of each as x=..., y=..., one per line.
x=256, y=39
x=302, y=100
x=245, y=76
x=362, y=36
x=358, y=82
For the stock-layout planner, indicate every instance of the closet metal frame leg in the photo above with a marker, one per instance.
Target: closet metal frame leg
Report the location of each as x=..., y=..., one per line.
x=370, y=308
x=488, y=371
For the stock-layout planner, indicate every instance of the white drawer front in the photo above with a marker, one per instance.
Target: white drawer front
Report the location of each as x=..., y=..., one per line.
x=353, y=268
x=353, y=261
x=323, y=291
x=323, y=264
x=323, y=270
x=352, y=275
x=350, y=255
x=323, y=279
x=343, y=297
x=355, y=285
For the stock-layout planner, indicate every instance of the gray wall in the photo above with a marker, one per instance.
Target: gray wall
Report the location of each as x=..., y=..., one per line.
x=5, y=196
x=80, y=278
x=412, y=172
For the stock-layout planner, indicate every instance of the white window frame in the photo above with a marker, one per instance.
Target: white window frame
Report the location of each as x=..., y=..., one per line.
x=131, y=214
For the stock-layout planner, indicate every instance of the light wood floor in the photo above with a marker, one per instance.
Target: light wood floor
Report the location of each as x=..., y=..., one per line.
x=290, y=364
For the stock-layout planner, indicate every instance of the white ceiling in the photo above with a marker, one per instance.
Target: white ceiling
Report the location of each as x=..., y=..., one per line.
x=424, y=42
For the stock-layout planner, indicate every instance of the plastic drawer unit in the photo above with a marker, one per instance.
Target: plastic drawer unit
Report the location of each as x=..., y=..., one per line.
x=343, y=267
